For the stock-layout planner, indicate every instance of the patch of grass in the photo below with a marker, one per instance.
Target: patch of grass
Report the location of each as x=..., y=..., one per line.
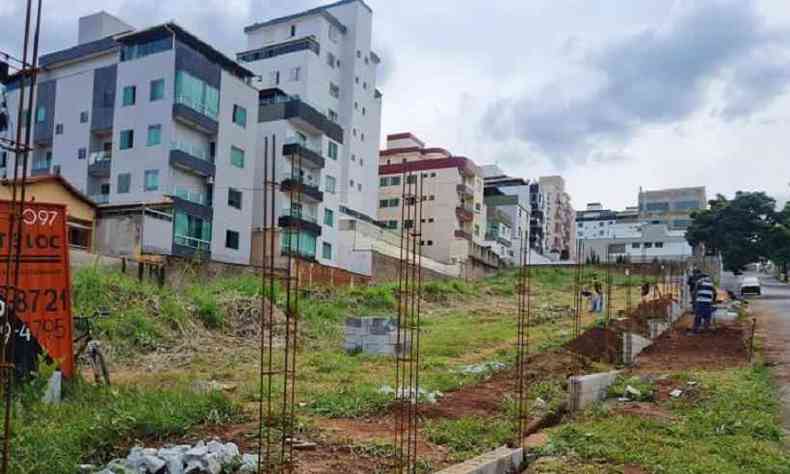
x=206, y=307
x=731, y=426
x=469, y=436
x=93, y=421
x=647, y=389
x=351, y=401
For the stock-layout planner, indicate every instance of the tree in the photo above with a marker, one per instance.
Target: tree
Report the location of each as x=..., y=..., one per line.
x=778, y=240
x=737, y=228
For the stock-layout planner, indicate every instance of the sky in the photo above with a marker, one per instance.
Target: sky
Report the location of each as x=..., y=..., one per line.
x=612, y=95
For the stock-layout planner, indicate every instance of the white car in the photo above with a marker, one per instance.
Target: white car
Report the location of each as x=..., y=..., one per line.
x=750, y=286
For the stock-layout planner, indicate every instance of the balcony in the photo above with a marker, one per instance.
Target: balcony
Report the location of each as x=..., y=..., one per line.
x=465, y=190
x=275, y=105
x=302, y=44
x=298, y=186
x=460, y=234
x=194, y=116
x=301, y=220
x=192, y=203
x=190, y=163
x=100, y=198
x=41, y=169
x=185, y=246
x=464, y=214
x=309, y=158
x=99, y=164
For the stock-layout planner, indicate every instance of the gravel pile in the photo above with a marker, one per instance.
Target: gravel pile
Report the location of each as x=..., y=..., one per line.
x=212, y=457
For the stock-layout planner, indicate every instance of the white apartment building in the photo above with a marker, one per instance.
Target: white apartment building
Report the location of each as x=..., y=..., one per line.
x=559, y=218
x=154, y=116
x=598, y=223
x=320, y=117
x=649, y=242
x=514, y=197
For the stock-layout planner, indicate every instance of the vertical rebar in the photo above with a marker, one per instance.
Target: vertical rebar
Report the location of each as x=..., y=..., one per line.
x=522, y=340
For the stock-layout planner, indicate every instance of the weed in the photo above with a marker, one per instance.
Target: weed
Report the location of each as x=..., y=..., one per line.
x=351, y=401
x=469, y=436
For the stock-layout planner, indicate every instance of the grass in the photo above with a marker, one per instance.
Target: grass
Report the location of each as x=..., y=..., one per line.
x=94, y=422
x=730, y=427
x=468, y=437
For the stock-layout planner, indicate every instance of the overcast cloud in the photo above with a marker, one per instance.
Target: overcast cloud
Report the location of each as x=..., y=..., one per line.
x=612, y=95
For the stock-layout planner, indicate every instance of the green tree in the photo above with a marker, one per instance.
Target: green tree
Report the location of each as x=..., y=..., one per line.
x=778, y=240
x=737, y=228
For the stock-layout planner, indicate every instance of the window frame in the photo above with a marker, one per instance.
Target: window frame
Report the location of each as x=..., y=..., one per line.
x=231, y=201
x=238, y=150
x=128, y=100
x=156, y=92
x=157, y=128
x=236, y=235
x=129, y=143
x=146, y=175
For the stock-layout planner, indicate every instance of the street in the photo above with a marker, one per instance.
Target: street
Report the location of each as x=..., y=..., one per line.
x=773, y=313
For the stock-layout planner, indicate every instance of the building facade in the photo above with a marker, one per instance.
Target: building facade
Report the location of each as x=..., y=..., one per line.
x=672, y=207
x=454, y=217
x=598, y=223
x=559, y=218
x=320, y=117
x=648, y=243
x=154, y=115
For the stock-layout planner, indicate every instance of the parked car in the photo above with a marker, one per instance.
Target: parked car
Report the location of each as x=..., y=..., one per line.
x=750, y=286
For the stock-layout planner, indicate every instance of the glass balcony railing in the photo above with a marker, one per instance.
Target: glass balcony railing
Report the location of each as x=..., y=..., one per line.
x=193, y=242
x=99, y=157
x=292, y=140
x=198, y=151
x=197, y=106
x=304, y=214
x=191, y=196
x=306, y=178
x=100, y=198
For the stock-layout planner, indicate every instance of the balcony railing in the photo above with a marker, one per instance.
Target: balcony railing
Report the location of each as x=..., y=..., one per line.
x=197, y=107
x=311, y=156
x=307, y=216
x=460, y=234
x=464, y=213
x=465, y=190
x=191, y=196
x=99, y=157
x=192, y=242
x=100, y=198
x=192, y=149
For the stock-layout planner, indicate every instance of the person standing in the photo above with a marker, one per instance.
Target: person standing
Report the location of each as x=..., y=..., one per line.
x=704, y=298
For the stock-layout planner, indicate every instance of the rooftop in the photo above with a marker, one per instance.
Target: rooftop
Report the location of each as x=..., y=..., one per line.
x=322, y=10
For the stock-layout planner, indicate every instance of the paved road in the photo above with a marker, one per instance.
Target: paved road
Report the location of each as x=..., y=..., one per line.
x=773, y=309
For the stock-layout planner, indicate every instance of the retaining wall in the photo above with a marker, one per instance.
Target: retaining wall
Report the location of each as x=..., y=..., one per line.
x=502, y=461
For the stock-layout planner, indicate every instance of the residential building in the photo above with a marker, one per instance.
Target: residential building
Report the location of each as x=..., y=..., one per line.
x=157, y=115
x=537, y=214
x=647, y=243
x=672, y=207
x=80, y=210
x=598, y=223
x=319, y=117
x=453, y=215
x=559, y=219
x=499, y=233
x=511, y=196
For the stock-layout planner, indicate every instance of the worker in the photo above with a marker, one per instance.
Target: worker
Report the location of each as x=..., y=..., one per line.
x=695, y=275
x=704, y=298
x=597, y=297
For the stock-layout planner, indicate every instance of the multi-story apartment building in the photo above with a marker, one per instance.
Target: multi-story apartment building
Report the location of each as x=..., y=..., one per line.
x=320, y=118
x=151, y=116
x=559, y=218
x=537, y=225
x=598, y=223
x=499, y=233
x=511, y=196
x=454, y=218
x=672, y=207
x=643, y=242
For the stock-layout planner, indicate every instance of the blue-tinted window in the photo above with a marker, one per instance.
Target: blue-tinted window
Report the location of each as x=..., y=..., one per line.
x=157, y=90
x=127, y=139
x=137, y=51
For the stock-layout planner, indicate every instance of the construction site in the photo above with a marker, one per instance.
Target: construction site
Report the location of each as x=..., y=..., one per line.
x=550, y=368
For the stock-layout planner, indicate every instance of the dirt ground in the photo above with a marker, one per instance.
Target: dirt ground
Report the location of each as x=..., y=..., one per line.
x=599, y=344
x=677, y=350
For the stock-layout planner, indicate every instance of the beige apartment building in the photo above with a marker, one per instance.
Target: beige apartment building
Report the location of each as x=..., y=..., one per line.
x=453, y=213
x=559, y=220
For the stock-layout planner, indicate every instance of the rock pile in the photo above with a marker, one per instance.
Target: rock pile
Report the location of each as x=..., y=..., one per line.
x=212, y=457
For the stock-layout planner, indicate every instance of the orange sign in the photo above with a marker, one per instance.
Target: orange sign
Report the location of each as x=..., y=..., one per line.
x=43, y=301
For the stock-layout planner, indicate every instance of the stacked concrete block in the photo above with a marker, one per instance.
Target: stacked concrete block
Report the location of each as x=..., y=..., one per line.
x=372, y=336
x=588, y=389
x=501, y=461
x=637, y=344
x=656, y=327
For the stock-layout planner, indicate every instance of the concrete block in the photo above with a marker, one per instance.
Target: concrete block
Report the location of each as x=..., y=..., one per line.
x=656, y=327
x=501, y=461
x=637, y=344
x=584, y=390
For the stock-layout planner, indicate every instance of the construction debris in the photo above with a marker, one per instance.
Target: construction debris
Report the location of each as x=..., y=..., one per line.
x=423, y=395
x=212, y=457
x=482, y=368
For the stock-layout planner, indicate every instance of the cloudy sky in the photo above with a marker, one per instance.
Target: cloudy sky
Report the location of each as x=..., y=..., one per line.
x=611, y=94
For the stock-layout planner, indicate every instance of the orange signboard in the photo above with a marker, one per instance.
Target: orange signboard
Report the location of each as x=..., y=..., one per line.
x=43, y=300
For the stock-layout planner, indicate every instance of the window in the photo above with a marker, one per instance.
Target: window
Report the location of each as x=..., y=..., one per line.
x=237, y=157
x=365, y=85
x=332, y=115
x=395, y=181
x=361, y=162
x=392, y=224
x=329, y=184
x=635, y=245
x=83, y=117
x=333, y=33
x=362, y=136
x=141, y=50
x=127, y=139
x=157, y=91
x=332, y=151
x=648, y=245
x=154, y=135
x=234, y=198
x=354, y=131
x=240, y=115
x=82, y=153
x=351, y=184
x=326, y=251
x=329, y=218
x=298, y=243
x=353, y=157
x=231, y=239
x=129, y=95
x=330, y=59
x=295, y=73
x=41, y=114
x=274, y=77
x=359, y=53
x=3, y=159
x=659, y=245
x=334, y=90
x=356, y=105
x=59, y=129
x=384, y=203
x=293, y=31
x=477, y=229
x=359, y=186
x=191, y=231
x=151, y=180
x=384, y=181
x=356, y=79
x=124, y=183
x=364, y=111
